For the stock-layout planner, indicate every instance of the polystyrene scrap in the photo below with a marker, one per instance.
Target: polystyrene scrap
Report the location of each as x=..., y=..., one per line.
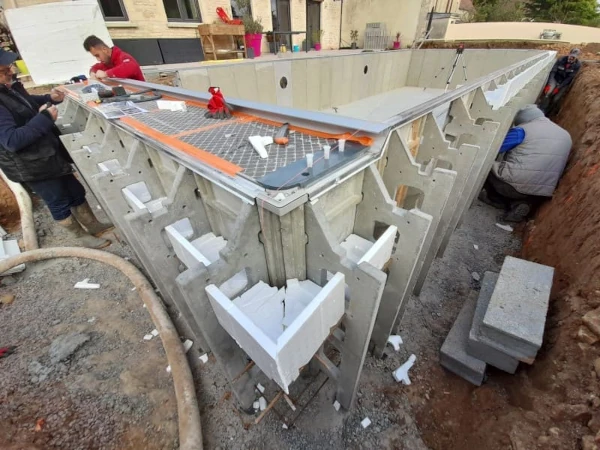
x=256, y=405
x=148, y=337
x=505, y=227
x=187, y=344
x=204, y=358
x=85, y=285
x=476, y=247
x=262, y=403
x=154, y=332
x=365, y=422
x=261, y=388
x=168, y=369
x=401, y=373
x=336, y=405
x=284, y=426
x=395, y=341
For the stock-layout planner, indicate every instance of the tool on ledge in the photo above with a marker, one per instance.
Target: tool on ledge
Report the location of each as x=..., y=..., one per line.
x=217, y=106
x=281, y=136
x=119, y=94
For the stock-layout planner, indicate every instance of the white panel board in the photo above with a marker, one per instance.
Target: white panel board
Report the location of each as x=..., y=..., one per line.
x=50, y=38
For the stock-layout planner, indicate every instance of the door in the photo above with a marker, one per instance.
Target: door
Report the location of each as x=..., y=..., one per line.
x=313, y=21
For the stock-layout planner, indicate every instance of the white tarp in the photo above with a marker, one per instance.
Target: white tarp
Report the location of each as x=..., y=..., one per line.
x=50, y=38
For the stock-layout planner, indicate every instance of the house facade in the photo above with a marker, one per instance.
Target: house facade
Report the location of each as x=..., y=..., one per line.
x=165, y=31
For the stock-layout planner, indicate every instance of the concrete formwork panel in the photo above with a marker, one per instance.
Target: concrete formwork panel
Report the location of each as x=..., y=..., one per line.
x=377, y=220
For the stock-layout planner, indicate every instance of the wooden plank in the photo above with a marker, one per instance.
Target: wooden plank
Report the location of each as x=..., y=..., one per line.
x=413, y=147
x=221, y=30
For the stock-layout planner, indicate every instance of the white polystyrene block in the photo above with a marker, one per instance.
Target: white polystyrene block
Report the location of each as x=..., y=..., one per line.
x=155, y=205
x=356, y=247
x=111, y=166
x=256, y=321
x=140, y=190
x=10, y=248
x=184, y=228
x=185, y=251
x=210, y=246
x=235, y=285
x=132, y=200
x=381, y=250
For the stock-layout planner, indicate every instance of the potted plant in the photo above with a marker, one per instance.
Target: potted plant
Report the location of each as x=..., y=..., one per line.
x=253, y=28
x=316, y=39
x=253, y=37
x=354, y=39
x=397, y=41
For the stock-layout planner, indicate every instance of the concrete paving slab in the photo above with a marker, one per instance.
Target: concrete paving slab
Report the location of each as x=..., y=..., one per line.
x=453, y=355
x=476, y=346
x=516, y=314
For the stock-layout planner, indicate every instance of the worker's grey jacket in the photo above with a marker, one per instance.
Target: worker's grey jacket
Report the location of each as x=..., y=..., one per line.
x=535, y=166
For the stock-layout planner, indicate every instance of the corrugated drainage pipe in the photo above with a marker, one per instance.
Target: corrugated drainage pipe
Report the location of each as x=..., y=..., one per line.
x=190, y=431
x=25, y=210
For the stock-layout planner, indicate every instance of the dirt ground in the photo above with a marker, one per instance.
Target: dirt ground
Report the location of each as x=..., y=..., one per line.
x=9, y=208
x=110, y=389
x=588, y=51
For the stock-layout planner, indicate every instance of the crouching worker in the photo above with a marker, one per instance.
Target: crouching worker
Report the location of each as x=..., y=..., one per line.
x=531, y=161
x=561, y=76
x=32, y=153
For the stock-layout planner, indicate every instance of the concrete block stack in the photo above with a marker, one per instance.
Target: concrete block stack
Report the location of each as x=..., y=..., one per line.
x=502, y=326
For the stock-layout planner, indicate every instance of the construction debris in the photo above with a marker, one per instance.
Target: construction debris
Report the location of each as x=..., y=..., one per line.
x=365, y=422
x=401, y=373
x=84, y=284
x=395, y=341
x=187, y=344
x=204, y=358
x=505, y=227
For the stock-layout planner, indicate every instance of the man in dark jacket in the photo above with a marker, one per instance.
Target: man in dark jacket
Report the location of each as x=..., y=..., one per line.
x=112, y=61
x=32, y=153
x=561, y=76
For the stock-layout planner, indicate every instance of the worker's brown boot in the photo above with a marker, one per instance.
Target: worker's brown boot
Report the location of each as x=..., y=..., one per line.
x=84, y=215
x=82, y=238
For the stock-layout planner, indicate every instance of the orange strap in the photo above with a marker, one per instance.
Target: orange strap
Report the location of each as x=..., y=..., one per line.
x=364, y=140
x=202, y=155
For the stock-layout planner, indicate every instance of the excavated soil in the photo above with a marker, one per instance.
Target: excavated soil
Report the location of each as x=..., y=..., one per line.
x=588, y=51
x=9, y=208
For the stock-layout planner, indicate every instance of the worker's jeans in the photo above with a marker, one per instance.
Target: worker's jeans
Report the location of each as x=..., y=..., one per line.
x=60, y=194
x=500, y=191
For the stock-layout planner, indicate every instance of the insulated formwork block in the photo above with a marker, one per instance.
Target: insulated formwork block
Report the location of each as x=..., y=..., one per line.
x=243, y=253
x=378, y=210
x=435, y=184
x=325, y=252
x=461, y=161
x=278, y=344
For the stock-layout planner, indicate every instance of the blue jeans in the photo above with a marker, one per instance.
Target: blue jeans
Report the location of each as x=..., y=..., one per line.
x=60, y=194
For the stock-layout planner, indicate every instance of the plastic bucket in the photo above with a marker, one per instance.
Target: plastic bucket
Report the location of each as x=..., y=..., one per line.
x=296, y=48
x=254, y=41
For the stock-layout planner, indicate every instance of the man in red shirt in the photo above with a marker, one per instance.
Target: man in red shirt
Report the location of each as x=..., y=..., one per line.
x=112, y=62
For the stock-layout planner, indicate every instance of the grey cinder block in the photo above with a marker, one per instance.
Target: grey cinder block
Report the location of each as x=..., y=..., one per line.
x=478, y=346
x=516, y=314
x=453, y=355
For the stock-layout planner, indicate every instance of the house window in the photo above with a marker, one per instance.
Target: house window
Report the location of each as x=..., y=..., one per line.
x=113, y=9
x=182, y=10
x=238, y=8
